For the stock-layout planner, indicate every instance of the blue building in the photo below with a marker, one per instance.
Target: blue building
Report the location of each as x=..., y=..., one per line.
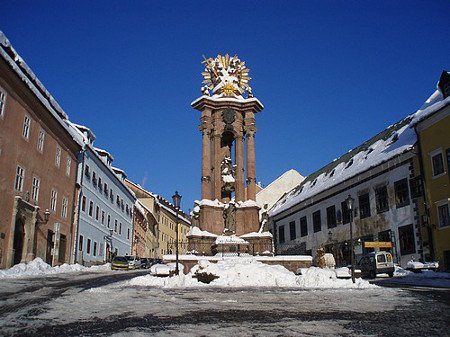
x=104, y=226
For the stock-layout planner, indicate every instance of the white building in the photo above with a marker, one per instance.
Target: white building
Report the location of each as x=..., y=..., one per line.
x=104, y=223
x=382, y=177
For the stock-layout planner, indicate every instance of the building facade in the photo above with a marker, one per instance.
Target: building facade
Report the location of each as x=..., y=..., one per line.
x=105, y=205
x=433, y=130
x=38, y=167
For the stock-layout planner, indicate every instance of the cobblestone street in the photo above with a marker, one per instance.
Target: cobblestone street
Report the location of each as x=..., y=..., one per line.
x=103, y=304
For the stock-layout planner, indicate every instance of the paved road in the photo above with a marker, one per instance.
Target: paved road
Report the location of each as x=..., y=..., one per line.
x=103, y=304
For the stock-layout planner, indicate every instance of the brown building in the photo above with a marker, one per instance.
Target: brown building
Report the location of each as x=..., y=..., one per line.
x=37, y=167
x=140, y=226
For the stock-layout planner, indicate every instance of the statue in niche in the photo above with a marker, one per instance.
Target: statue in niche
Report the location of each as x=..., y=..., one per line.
x=229, y=215
x=195, y=214
x=227, y=171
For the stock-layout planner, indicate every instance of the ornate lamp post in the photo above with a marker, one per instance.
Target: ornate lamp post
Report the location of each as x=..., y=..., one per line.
x=350, y=202
x=176, y=201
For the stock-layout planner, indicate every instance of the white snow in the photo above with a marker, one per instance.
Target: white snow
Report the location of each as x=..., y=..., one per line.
x=39, y=267
x=257, y=234
x=229, y=240
x=248, y=272
x=195, y=231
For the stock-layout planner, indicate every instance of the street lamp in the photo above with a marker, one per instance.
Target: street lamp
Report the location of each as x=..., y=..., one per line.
x=176, y=201
x=350, y=202
x=46, y=217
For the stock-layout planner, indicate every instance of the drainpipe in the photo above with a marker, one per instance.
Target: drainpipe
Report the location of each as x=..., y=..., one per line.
x=80, y=174
x=422, y=171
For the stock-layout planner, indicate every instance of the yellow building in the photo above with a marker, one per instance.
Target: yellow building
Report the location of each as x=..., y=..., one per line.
x=161, y=215
x=433, y=130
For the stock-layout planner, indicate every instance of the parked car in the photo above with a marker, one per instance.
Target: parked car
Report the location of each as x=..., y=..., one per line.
x=119, y=263
x=146, y=262
x=134, y=262
x=126, y=262
x=376, y=263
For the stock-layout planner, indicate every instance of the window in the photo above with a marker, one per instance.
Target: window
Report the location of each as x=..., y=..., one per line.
x=35, y=189
x=2, y=103
x=443, y=215
x=364, y=206
x=345, y=213
x=281, y=234
x=120, y=228
x=40, y=141
x=438, y=164
x=53, y=199
x=115, y=226
x=317, y=223
x=97, y=213
x=303, y=227
x=83, y=203
x=58, y=156
x=111, y=196
x=406, y=238
x=80, y=243
x=88, y=246
x=87, y=173
x=103, y=217
x=65, y=203
x=20, y=176
x=94, y=179
x=68, y=165
x=128, y=234
x=331, y=216
x=401, y=193
x=292, y=232
x=118, y=201
x=100, y=184
x=416, y=187
x=26, y=127
x=95, y=249
x=105, y=190
x=381, y=198
x=91, y=208
x=109, y=221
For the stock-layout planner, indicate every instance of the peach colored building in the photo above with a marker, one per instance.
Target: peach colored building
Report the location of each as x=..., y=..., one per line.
x=37, y=167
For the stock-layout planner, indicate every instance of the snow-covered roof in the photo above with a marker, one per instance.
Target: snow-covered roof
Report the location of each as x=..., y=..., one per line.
x=104, y=153
x=195, y=231
x=395, y=140
x=18, y=65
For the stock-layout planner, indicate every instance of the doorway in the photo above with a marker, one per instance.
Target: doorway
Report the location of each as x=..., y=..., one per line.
x=19, y=237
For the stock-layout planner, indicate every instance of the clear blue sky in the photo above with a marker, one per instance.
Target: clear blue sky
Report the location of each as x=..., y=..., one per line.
x=331, y=74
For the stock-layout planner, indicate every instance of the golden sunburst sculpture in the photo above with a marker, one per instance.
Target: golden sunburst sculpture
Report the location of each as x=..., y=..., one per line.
x=226, y=76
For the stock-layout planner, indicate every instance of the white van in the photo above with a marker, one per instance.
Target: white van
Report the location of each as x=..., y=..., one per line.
x=376, y=263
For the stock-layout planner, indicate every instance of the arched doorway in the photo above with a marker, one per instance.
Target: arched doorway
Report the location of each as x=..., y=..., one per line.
x=19, y=236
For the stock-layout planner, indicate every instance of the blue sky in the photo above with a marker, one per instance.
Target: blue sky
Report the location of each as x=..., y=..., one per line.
x=331, y=74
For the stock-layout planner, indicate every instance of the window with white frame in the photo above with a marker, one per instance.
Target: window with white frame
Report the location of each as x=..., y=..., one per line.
x=109, y=221
x=68, y=166
x=20, y=176
x=443, y=214
x=58, y=156
x=115, y=225
x=91, y=208
x=437, y=163
x=65, y=203
x=88, y=246
x=2, y=102
x=83, y=203
x=95, y=249
x=53, y=200
x=26, y=127
x=103, y=217
x=35, y=189
x=97, y=213
x=128, y=234
x=40, y=141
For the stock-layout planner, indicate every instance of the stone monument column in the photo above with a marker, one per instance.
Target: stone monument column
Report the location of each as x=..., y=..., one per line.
x=251, y=169
x=240, y=190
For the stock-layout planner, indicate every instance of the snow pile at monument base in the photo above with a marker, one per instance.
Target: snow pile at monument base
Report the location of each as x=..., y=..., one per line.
x=39, y=267
x=248, y=272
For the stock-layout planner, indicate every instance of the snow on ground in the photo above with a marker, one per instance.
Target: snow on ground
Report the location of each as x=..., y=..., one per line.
x=248, y=272
x=424, y=278
x=39, y=267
